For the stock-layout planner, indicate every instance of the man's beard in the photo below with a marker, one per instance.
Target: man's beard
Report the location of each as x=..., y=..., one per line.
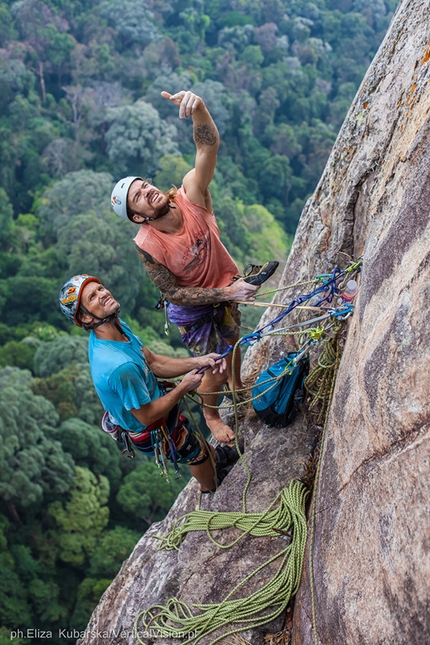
x=163, y=210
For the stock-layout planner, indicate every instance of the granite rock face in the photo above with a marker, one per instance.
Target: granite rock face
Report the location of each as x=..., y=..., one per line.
x=372, y=532
x=372, y=537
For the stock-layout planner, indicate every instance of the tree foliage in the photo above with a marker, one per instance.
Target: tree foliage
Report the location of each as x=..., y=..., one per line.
x=138, y=138
x=52, y=357
x=145, y=495
x=83, y=517
x=33, y=463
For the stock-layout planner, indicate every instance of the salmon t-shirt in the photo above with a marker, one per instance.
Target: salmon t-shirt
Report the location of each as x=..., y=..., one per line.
x=196, y=256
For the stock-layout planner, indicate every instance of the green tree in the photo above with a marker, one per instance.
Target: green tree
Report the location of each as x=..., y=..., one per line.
x=172, y=170
x=77, y=193
x=16, y=353
x=82, y=519
x=145, y=495
x=268, y=239
x=45, y=600
x=112, y=549
x=6, y=24
x=53, y=356
x=88, y=595
x=137, y=138
x=6, y=220
x=24, y=299
x=92, y=448
x=33, y=463
x=133, y=22
x=14, y=606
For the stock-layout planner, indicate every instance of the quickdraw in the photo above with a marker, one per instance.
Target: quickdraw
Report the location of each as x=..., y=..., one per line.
x=160, y=439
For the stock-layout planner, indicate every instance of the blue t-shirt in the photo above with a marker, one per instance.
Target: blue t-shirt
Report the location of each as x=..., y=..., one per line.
x=122, y=377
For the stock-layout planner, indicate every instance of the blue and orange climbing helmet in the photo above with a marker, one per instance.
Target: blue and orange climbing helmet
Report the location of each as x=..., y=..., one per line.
x=70, y=296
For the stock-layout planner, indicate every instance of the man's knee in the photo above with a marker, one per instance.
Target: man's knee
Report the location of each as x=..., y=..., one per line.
x=211, y=380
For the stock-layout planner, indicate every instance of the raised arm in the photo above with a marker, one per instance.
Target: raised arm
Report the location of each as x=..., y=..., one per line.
x=206, y=138
x=164, y=279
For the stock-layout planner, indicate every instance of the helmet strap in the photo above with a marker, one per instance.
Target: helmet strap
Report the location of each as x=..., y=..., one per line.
x=102, y=321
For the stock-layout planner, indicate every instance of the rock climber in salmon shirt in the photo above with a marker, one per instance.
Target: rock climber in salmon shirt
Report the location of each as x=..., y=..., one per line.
x=179, y=243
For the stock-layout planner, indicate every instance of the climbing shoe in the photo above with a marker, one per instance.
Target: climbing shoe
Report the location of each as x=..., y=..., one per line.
x=226, y=454
x=256, y=274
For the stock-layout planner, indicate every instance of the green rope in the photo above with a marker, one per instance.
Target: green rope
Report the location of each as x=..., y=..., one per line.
x=261, y=606
x=321, y=382
x=269, y=523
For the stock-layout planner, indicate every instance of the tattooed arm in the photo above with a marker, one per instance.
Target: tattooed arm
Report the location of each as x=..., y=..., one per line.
x=164, y=279
x=206, y=138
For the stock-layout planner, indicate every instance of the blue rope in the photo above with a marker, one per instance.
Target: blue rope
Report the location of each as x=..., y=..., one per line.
x=328, y=285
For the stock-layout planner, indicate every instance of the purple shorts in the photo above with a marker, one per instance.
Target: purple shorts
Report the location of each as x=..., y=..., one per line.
x=207, y=328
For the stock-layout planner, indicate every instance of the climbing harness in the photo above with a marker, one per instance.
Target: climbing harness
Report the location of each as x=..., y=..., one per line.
x=167, y=439
x=118, y=434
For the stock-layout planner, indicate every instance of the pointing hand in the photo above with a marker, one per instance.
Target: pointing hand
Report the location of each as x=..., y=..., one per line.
x=187, y=101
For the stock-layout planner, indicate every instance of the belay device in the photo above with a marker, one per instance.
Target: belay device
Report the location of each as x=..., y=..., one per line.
x=276, y=404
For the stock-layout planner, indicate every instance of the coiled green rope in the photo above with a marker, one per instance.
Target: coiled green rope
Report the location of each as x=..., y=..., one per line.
x=272, y=522
x=262, y=606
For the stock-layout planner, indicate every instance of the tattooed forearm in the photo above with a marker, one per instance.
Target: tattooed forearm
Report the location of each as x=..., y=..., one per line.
x=194, y=296
x=166, y=282
x=205, y=135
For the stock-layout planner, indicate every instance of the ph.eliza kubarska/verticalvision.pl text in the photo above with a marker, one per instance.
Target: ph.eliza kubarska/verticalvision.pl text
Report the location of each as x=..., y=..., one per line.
x=99, y=634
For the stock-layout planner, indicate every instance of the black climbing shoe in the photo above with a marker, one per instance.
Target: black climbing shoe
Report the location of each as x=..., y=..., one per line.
x=226, y=455
x=256, y=274
x=221, y=474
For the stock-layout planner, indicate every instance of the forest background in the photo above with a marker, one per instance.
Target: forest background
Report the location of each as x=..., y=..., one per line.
x=80, y=84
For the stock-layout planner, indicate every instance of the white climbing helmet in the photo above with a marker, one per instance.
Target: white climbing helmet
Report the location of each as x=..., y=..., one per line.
x=119, y=196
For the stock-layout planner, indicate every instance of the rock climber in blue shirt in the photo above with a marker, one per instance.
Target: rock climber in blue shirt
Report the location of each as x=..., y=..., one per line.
x=123, y=371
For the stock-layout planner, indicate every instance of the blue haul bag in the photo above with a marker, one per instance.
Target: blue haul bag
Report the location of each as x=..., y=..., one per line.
x=279, y=391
